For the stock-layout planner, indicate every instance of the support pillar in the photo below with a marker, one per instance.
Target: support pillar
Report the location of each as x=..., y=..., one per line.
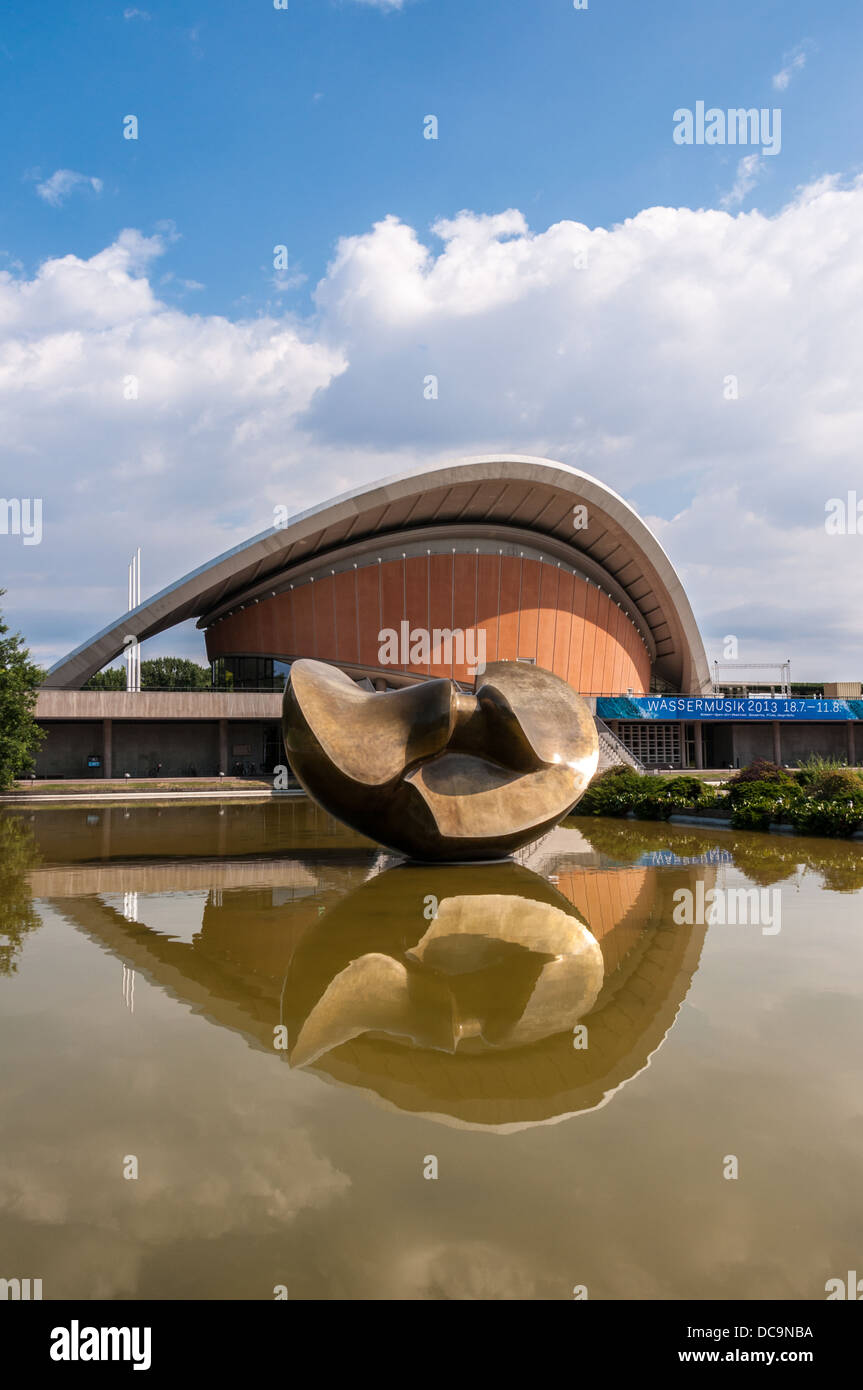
x=223, y=746
x=777, y=742
x=852, y=752
x=699, y=751
x=107, y=748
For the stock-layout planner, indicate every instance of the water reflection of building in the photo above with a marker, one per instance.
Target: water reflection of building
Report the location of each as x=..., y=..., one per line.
x=466, y=1016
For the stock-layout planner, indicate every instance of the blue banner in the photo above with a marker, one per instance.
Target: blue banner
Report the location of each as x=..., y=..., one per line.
x=718, y=707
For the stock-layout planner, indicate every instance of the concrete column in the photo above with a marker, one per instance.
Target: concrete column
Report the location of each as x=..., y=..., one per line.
x=777, y=742
x=223, y=746
x=699, y=751
x=684, y=752
x=852, y=752
x=107, y=748
x=380, y=683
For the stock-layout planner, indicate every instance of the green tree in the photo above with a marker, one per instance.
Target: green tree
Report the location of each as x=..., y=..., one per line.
x=159, y=673
x=172, y=673
x=20, y=735
x=112, y=679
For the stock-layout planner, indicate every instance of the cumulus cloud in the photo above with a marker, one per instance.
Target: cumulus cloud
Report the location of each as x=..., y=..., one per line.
x=62, y=182
x=703, y=364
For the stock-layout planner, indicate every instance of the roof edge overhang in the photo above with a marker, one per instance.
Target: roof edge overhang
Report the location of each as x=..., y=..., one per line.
x=205, y=589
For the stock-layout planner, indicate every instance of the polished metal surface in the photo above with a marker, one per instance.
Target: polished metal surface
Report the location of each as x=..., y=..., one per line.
x=488, y=971
x=437, y=774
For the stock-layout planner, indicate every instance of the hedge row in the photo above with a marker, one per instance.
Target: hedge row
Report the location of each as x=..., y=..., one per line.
x=817, y=800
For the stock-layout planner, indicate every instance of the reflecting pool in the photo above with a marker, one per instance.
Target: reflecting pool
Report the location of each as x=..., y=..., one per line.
x=245, y=1049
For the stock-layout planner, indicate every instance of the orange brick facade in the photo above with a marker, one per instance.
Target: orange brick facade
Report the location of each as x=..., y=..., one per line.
x=528, y=608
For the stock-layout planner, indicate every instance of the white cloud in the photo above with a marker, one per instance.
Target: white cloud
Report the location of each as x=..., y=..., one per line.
x=63, y=182
x=618, y=367
x=382, y=4
x=796, y=63
x=132, y=13
x=748, y=170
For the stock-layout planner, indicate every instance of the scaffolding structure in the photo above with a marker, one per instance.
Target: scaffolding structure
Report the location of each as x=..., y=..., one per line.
x=783, y=668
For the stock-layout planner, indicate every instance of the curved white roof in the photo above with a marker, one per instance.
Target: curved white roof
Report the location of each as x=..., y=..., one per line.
x=503, y=492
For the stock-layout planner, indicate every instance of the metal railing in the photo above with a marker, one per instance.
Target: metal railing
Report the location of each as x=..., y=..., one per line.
x=614, y=748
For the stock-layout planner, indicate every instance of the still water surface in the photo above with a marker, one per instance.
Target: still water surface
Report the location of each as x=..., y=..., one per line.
x=288, y=1029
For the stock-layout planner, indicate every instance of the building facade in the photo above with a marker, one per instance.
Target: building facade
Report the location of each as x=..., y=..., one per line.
x=428, y=574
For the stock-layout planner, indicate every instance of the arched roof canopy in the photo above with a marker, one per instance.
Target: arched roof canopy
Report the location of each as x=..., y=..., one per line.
x=502, y=494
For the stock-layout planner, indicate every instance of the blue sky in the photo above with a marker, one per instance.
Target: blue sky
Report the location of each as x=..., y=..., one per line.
x=261, y=127
x=152, y=259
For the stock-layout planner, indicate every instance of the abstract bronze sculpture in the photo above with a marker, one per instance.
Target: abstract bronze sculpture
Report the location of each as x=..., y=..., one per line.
x=437, y=774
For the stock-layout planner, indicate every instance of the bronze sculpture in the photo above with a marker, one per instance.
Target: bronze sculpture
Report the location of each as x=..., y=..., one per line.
x=435, y=773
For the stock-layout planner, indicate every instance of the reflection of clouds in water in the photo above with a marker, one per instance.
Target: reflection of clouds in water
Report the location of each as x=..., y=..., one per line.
x=467, y=1269
x=250, y=1182
x=246, y=1183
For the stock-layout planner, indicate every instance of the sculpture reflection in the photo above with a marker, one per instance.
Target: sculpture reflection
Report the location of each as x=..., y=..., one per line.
x=450, y=991
x=471, y=1020
x=491, y=970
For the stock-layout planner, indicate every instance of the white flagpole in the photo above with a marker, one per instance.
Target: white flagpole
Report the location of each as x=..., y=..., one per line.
x=137, y=605
x=129, y=684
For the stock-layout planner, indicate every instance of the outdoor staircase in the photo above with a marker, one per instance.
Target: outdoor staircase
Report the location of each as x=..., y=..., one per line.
x=612, y=750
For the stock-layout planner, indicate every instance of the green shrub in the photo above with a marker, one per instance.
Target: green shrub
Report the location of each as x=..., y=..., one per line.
x=815, y=816
x=763, y=793
x=612, y=792
x=815, y=767
x=755, y=804
x=760, y=770
x=741, y=788
x=619, y=772
x=620, y=789
x=836, y=785
x=687, y=791
x=752, y=815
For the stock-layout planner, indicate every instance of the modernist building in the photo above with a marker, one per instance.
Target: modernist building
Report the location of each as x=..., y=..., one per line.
x=506, y=558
